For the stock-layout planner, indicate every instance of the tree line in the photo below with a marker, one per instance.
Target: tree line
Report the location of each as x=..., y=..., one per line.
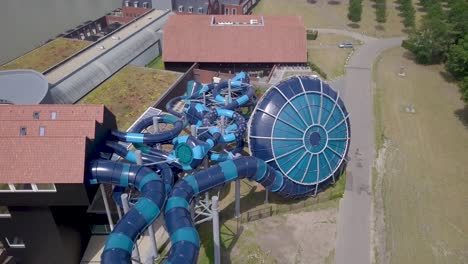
x=442, y=37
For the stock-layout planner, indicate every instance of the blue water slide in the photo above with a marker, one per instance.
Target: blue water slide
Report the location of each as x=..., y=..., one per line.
x=298, y=134
x=171, y=103
x=165, y=136
x=246, y=90
x=119, y=245
x=158, y=162
x=184, y=237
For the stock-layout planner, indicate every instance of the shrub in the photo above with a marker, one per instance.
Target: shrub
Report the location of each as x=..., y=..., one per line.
x=355, y=10
x=312, y=34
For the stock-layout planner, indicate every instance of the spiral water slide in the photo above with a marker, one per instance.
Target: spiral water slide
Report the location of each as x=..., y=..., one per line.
x=298, y=135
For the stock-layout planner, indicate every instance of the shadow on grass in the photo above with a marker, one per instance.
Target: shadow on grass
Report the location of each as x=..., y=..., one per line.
x=379, y=27
x=312, y=1
x=447, y=77
x=334, y=2
x=354, y=25
x=462, y=115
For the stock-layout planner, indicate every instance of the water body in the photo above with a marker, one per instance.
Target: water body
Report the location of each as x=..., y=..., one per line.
x=25, y=24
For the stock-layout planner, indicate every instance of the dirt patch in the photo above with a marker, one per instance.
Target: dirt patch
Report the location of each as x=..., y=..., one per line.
x=305, y=237
x=378, y=215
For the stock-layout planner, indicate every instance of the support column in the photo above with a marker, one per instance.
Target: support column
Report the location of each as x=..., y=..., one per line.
x=126, y=208
x=237, y=198
x=214, y=208
x=150, y=230
x=106, y=205
x=156, y=130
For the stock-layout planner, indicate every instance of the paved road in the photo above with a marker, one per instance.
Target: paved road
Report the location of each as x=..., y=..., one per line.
x=353, y=244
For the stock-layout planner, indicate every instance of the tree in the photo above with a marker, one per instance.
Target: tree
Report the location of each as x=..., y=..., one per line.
x=380, y=11
x=457, y=59
x=431, y=42
x=464, y=89
x=457, y=16
x=355, y=10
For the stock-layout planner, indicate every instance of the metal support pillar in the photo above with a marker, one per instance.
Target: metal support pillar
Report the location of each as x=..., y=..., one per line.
x=156, y=130
x=237, y=200
x=106, y=205
x=214, y=208
x=266, y=196
x=193, y=130
x=150, y=230
x=126, y=208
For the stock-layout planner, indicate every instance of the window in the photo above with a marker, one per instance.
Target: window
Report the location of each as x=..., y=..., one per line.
x=44, y=187
x=233, y=11
x=4, y=213
x=127, y=3
x=200, y=10
x=16, y=242
x=135, y=4
x=27, y=187
x=226, y=11
x=36, y=115
x=23, y=131
x=41, y=131
x=145, y=5
x=5, y=187
x=181, y=8
x=53, y=115
x=190, y=9
x=23, y=187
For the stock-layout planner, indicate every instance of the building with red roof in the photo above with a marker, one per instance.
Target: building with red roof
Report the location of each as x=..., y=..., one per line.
x=234, y=43
x=43, y=189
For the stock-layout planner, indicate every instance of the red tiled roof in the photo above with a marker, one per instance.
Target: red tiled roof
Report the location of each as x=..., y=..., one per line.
x=281, y=39
x=57, y=157
x=63, y=112
x=42, y=160
x=51, y=128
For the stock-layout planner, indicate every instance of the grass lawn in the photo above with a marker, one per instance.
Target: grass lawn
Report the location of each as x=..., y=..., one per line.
x=47, y=55
x=324, y=52
x=333, y=14
x=320, y=14
x=157, y=63
x=425, y=172
x=130, y=92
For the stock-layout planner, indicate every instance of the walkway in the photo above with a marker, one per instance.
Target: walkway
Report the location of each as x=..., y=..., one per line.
x=94, y=51
x=353, y=244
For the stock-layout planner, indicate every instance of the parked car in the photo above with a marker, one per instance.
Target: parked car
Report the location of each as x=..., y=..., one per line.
x=346, y=45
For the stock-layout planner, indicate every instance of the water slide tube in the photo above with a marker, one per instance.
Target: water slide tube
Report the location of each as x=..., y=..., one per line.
x=119, y=245
x=162, y=137
x=299, y=136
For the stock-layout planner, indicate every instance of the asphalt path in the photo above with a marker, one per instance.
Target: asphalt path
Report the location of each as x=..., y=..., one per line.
x=353, y=243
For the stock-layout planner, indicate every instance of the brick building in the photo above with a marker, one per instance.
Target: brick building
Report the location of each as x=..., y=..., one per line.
x=229, y=43
x=44, y=195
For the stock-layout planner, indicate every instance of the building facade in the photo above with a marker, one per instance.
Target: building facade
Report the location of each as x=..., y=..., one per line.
x=213, y=7
x=44, y=194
